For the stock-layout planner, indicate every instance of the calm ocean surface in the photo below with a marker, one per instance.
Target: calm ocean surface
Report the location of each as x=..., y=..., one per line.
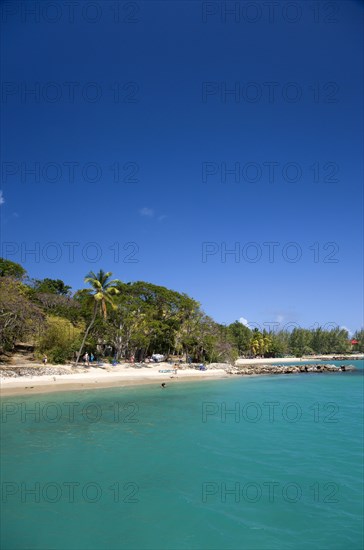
x=242, y=463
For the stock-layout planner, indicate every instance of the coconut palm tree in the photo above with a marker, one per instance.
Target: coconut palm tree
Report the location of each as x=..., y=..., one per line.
x=102, y=289
x=260, y=343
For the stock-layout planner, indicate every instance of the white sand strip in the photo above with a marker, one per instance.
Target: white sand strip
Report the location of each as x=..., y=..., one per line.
x=99, y=378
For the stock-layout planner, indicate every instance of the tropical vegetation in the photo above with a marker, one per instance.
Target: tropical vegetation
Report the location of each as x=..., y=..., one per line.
x=117, y=320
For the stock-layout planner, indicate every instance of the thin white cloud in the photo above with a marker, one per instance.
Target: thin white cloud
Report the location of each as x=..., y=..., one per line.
x=162, y=217
x=2, y=200
x=146, y=212
x=243, y=321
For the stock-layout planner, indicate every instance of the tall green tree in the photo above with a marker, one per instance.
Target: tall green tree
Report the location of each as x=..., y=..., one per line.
x=102, y=291
x=240, y=335
x=52, y=286
x=359, y=337
x=280, y=343
x=301, y=341
x=260, y=343
x=19, y=317
x=59, y=339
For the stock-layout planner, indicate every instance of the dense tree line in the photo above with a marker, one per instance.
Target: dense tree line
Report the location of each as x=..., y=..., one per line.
x=118, y=320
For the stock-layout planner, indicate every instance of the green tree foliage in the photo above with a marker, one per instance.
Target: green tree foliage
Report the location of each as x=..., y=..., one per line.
x=60, y=339
x=56, y=304
x=319, y=341
x=279, y=344
x=102, y=291
x=138, y=319
x=359, y=336
x=260, y=343
x=19, y=317
x=338, y=341
x=240, y=337
x=11, y=269
x=301, y=341
x=51, y=286
x=150, y=319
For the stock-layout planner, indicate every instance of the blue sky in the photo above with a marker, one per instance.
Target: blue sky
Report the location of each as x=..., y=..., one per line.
x=121, y=157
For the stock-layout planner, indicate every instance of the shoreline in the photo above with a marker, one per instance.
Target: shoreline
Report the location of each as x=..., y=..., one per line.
x=125, y=375
x=30, y=385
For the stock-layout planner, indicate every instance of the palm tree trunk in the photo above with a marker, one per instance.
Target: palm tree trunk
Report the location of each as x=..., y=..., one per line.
x=86, y=334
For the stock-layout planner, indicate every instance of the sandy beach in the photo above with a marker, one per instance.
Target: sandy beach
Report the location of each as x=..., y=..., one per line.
x=122, y=375
x=103, y=377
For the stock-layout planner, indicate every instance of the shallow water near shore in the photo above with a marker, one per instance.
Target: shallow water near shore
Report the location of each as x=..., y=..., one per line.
x=271, y=462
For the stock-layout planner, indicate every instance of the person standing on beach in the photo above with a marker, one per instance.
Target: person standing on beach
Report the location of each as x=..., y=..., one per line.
x=86, y=359
x=45, y=360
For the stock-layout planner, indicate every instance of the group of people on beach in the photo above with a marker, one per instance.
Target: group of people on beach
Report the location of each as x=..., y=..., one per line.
x=87, y=359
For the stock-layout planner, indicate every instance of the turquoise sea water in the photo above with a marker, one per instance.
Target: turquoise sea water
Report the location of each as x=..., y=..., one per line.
x=242, y=463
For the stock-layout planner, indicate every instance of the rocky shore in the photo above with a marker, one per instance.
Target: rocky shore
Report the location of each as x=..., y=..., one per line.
x=18, y=372
x=249, y=369
x=289, y=369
